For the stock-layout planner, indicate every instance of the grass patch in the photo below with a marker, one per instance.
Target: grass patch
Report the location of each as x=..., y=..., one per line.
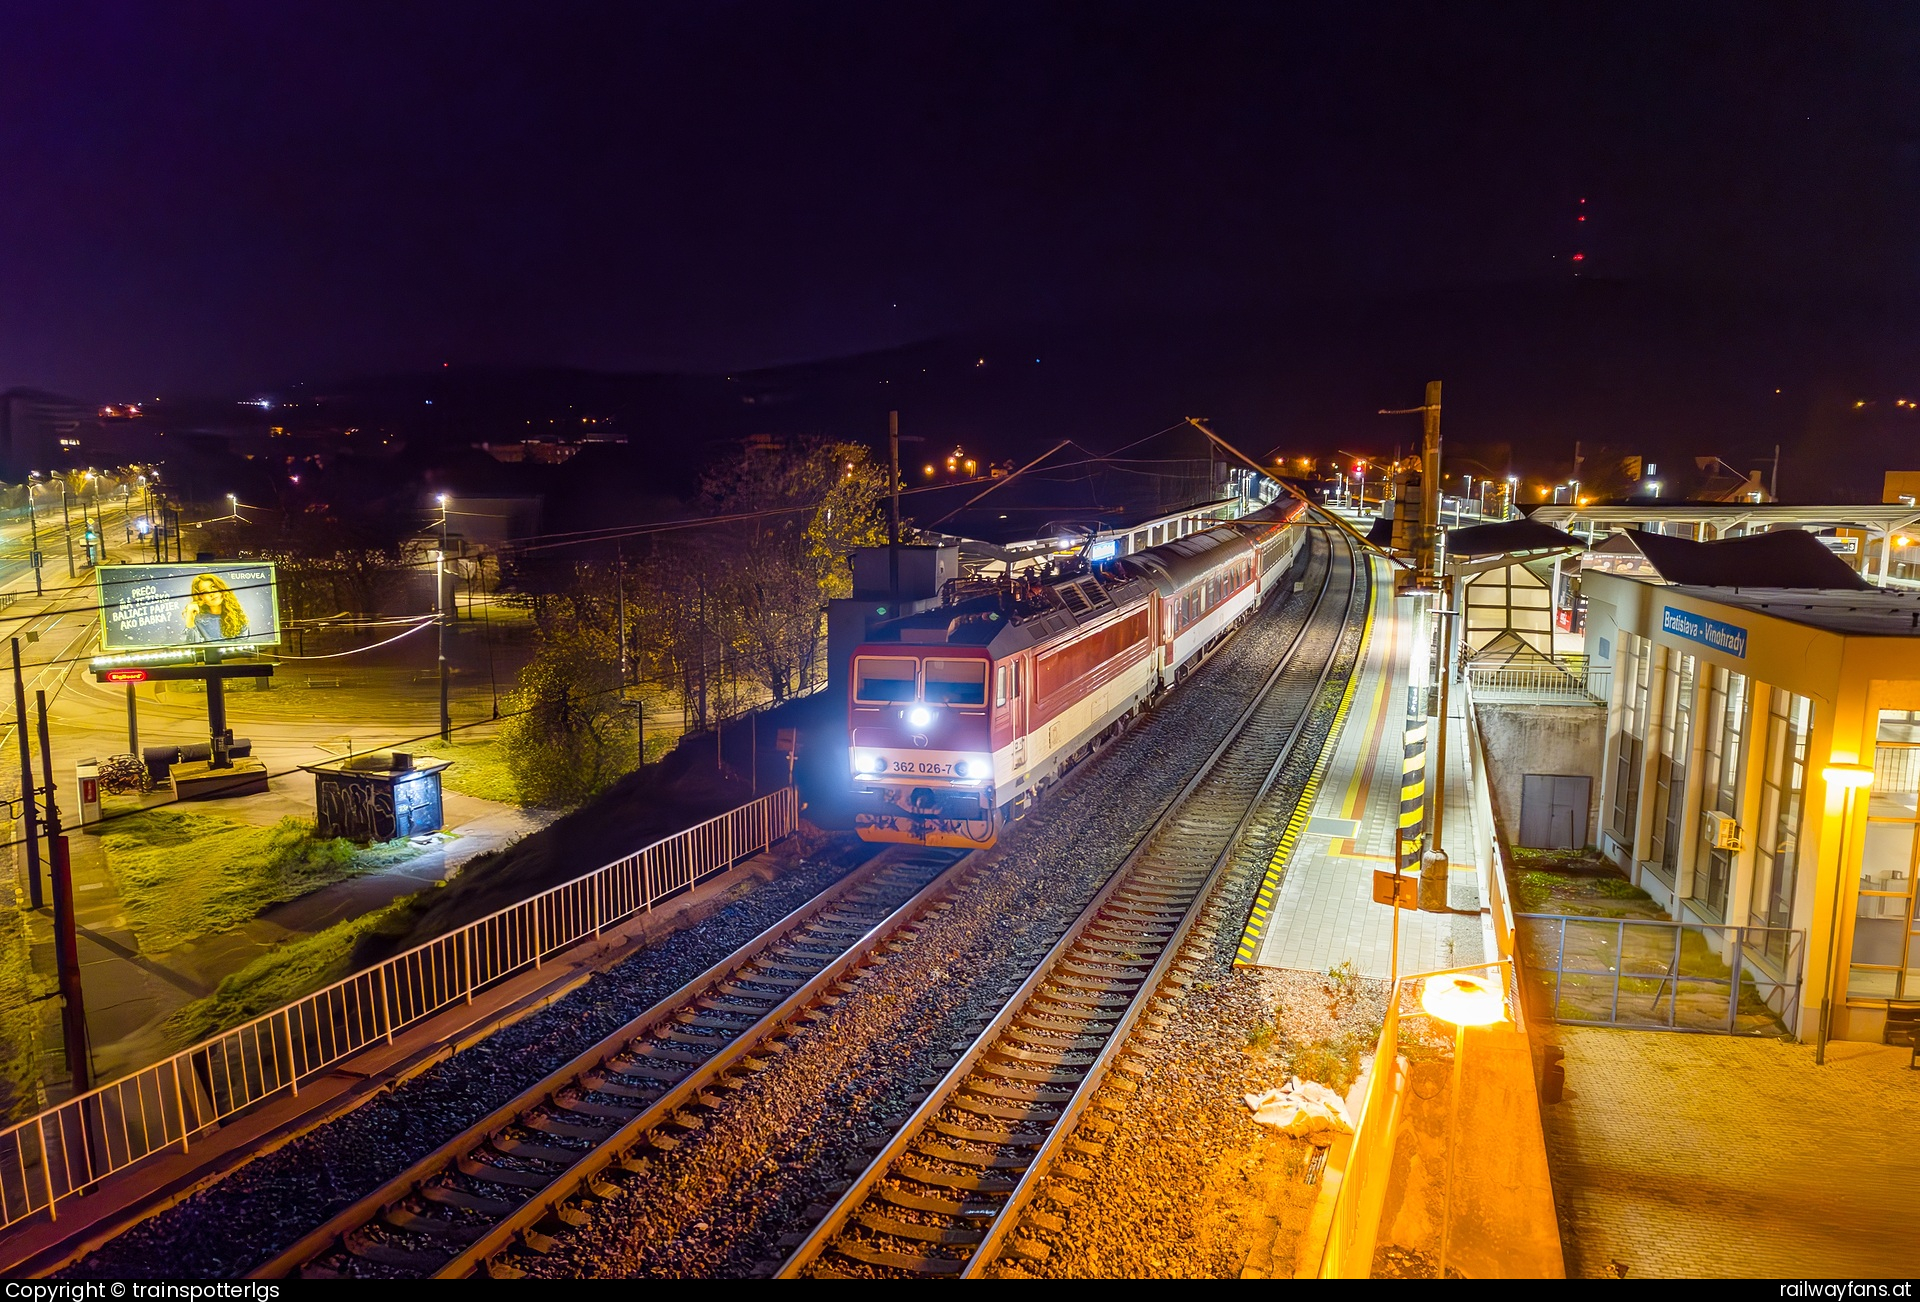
x=295, y=968
x=20, y=987
x=185, y=875
x=1334, y=1062
x=1576, y=882
x=479, y=769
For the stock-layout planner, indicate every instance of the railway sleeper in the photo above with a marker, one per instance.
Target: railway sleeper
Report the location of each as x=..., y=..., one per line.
x=400, y=1218
x=919, y=1265
x=1003, y=1111
x=548, y=1125
x=937, y=1179
x=512, y=1176
x=450, y=1196
x=388, y=1254
x=586, y=1108
x=599, y=1084
x=1018, y=1093
x=999, y=1135
x=1055, y=1043
x=526, y=1150
x=916, y=1232
x=926, y=1203
x=965, y=1157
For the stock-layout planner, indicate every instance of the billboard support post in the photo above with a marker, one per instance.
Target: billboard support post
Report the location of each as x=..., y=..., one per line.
x=217, y=717
x=133, y=723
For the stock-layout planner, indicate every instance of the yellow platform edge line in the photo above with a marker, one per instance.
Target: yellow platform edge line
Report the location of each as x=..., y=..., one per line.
x=1257, y=921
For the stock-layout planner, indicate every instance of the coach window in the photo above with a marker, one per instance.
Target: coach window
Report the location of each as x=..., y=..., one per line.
x=882, y=680
x=957, y=682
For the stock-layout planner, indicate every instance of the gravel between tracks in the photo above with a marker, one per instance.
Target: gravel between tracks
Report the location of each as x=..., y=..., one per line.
x=232, y=1226
x=719, y=1205
x=1188, y=1186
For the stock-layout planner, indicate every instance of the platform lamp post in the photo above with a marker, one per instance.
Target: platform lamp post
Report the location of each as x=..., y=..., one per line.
x=1850, y=778
x=1464, y=1001
x=1513, y=497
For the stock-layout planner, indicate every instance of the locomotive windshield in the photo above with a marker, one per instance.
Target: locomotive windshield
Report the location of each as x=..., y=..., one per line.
x=957, y=682
x=882, y=681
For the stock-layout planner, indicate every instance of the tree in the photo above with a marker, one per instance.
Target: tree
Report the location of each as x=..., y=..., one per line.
x=808, y=505
x=570, y=734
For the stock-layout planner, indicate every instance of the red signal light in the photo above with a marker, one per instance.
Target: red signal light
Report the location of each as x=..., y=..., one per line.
x=1579, y=257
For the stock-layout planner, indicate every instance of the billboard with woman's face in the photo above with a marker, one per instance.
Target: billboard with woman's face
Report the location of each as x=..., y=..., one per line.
x=211, y=604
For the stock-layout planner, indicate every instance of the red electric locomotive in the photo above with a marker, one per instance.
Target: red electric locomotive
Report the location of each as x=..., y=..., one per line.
x=959, y=717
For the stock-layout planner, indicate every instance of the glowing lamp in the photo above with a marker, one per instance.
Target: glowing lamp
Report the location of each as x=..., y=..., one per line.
x=1463, y=1000
x=919, y=716
x=1847, y=776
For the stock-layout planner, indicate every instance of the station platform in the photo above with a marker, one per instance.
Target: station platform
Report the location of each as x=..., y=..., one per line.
x=1317, y=909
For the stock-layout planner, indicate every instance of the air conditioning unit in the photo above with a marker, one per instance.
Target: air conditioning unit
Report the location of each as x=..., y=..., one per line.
x=1722, y=832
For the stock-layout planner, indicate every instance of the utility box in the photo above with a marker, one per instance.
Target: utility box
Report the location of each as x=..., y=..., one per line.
x=377, y=797
x=86, y=780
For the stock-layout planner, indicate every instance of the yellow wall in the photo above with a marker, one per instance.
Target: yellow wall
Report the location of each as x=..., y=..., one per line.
x=1850, y=679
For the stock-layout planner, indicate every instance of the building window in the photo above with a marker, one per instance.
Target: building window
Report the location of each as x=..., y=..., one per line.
x=1670, y=775
x=1782, y=801
x=1636, y=677
x=1719, y=779
x=1886, y=932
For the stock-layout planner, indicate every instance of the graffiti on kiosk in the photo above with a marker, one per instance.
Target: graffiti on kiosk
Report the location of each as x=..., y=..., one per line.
x=359, y=811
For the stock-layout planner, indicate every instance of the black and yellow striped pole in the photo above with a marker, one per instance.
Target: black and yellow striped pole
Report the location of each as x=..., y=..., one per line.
x=1413, y=817
x=1413, y=794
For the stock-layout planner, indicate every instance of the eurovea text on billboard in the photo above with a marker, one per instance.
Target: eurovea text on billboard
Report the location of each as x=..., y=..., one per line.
x=206, y=605
x=1730, y=638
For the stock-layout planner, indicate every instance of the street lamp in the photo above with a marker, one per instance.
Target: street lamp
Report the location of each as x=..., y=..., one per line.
x=33, y=543
x=66, y=527
x=439, y=609
x=1513, y=491
x=1849, y=778
x=1464, y=1000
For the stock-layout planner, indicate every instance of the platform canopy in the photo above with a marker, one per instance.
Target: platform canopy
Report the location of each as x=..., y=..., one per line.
x=1787, y=558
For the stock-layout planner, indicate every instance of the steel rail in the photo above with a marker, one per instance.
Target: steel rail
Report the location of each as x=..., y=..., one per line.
x=1011, y=1214
x=925, y=1119
x=469, y=1245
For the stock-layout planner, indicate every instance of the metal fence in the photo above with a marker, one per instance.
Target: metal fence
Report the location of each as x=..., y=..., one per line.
x=1566, y=677
x=1659, y=975
x=67, y=1148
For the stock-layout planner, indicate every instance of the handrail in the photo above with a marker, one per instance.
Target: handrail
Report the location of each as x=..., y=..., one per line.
x=67, y=1148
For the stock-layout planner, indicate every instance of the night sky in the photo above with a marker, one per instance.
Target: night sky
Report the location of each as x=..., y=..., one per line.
x=202, y=196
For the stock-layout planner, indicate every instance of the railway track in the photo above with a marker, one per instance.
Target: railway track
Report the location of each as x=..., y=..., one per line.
x=948, y=1194
x=508, y=1188
x=509, y=1180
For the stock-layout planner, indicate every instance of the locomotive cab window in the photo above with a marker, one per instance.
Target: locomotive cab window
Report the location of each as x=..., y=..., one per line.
x=957, y=682
x=882, y=681
x=1000, y=685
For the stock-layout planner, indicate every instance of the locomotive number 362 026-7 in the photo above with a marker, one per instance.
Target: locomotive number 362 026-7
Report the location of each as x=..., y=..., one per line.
x=927, y=767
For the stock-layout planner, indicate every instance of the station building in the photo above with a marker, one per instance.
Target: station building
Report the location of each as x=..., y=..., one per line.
x=1761, y=767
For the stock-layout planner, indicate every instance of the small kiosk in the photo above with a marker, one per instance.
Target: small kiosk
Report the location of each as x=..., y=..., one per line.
x=377, y=797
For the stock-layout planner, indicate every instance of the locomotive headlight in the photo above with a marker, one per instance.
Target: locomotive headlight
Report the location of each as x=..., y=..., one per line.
x=869, y=764
x=919, y=716
x=973, y=769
